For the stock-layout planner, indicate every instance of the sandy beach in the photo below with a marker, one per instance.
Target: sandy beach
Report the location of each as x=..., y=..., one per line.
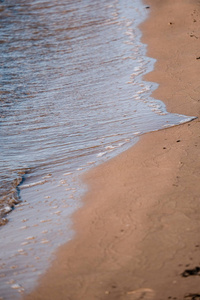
x=138, y=232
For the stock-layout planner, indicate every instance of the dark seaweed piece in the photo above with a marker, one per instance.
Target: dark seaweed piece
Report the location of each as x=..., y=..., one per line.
x=191, y=272
x=192, y=296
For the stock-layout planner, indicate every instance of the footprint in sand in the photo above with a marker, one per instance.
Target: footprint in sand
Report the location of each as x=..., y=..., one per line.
x=143, y=293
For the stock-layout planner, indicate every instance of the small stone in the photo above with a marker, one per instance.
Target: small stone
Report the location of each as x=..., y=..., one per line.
x=24, y=243
x=66, y=174
x=107, y=292
x=44, y=241
x=13, y=267
x=3, y=221
x=24, y=227
x=43, y=221
x=15, y=286
x=30, y=238
x=7, y=209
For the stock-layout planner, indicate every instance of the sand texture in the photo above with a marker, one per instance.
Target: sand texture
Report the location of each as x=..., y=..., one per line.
x=138, y=233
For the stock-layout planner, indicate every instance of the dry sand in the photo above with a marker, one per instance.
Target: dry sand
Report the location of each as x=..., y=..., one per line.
x=138, y=232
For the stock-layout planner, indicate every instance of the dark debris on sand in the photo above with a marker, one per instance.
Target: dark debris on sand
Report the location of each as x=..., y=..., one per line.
x=191, y=272
x=192, y=296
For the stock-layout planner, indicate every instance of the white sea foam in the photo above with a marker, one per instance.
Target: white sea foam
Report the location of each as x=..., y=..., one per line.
x=24, y=186
x=101, y=154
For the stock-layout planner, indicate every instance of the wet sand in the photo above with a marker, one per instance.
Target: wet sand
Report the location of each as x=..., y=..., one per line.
x=138, y=233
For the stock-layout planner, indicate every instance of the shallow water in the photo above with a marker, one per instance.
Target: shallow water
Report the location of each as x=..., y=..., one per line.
x=72, y=96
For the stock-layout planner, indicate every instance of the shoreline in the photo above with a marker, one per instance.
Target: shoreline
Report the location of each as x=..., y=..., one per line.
x=142, y=231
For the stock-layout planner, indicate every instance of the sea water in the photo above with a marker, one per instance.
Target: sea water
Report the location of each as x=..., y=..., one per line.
x=72, y=96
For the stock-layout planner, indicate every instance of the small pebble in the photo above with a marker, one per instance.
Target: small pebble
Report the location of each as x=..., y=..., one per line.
x=43, y=221
x=47, y=176
x=107, y=292
x=62, y=181
x=7, y=209
x=15, y=286
x=24, y=243
x=13, y=267
x=44, y=241
x=24, y=227
x=30, y=238
x=66, y=174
